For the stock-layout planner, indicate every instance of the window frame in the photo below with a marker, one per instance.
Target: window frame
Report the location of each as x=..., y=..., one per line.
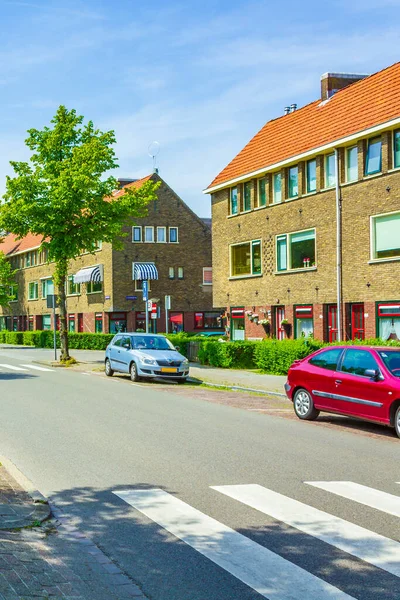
x=70, y=280
x=369, y=143
x=148, y=228
x=140, y=289
x=171, y=273
x=260, y=180
x=347, y=163
x=236, y=211
x=290, y=194
x=252, y=244
x=90, y=290
x=209, y=270
x=177, y=235
x=13, y=288
x=140, y=229
x=36, y=288
x=275, y=175
x=373, y=237
x=343, y=358
x=43, y=284
x=329, y=186
x=288, y=254
x=164, y=241
x=308, y=190
x=247, y=196
x=396, y=132
x=180, y=272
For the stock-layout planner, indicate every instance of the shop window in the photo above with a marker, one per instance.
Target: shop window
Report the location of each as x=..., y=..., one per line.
x=373, y=162
x=311, y=176
x=198, y=320
x=246, y=259
x=176, y=322
x=385, y=236
x=352, y=164
x=237, y=324
x=117, y=322
x=296, y=250
x=234, y=201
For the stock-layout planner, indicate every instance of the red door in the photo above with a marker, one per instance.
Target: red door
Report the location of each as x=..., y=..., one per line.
x=80, y=322
x=357, y=322
x=279, y=316
x=332, y=323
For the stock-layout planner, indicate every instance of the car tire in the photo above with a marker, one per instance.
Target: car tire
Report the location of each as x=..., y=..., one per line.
x=181, y=381
x=397, y=422
x=133, y=372
x=304, y=406
x=107, y=368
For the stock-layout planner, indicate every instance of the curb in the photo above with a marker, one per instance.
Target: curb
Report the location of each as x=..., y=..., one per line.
x=23, y=481
x=238, y=388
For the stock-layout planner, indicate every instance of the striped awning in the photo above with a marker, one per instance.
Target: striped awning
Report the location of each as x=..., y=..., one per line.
x=144, y=270
x=94, y=274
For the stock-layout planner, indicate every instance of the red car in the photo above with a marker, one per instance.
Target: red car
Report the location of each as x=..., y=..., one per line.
x=358, y=381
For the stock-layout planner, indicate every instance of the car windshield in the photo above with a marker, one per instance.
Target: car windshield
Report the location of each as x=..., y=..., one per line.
x=391, y=359
x=151, y=342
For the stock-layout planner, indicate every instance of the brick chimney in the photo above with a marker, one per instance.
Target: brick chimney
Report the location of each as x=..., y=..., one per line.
x=333, y=82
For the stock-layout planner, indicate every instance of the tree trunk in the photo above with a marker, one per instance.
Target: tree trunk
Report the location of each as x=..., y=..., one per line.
x=61, y=279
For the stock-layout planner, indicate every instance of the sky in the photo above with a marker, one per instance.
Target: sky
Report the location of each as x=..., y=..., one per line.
x=200, y=78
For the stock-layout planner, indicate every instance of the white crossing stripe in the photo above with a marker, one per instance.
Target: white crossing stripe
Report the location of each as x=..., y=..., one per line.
x=13, y=367
x=36, y=368
x=361, y=493
x=362, y=543
x=270, y=575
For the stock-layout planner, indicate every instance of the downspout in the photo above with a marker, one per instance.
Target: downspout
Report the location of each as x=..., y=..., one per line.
x=338, y=249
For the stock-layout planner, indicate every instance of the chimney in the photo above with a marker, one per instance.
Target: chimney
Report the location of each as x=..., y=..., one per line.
x=286, y=110
x=333, y=82
x=123, y=181
x=293, y=107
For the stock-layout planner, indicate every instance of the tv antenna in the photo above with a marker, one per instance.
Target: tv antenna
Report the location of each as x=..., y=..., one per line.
x=153, y=150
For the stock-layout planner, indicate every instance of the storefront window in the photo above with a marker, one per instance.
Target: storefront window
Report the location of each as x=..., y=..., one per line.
x=117, y=322
x=176, y=322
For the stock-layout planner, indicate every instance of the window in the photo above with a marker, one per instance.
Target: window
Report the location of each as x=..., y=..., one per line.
x=139, y=285
x=386, y=236
x=396, y=149
x=98, y=323
x=33, y=290
x=356, y=362
x=262, y=192
x=207, y=320
x=94, y=286
x=149, y=234
x=46, y=322
x=175, y=322
x=207, y=275
x=73, y=288
x=94, y=246
x=171, y=273
x=293, y=182
x=246, y=259
x=327, y=359
x=247, y=196
x=47, y=287
x=311, y=176
x=13, y=292
x=330, y=171
x=304, y=321
x=161, y=235
x=295, y=250
x=136, y=234
x=277, y=188
x=373, y=162
x=173, y=235
x=234, y=201
x=71, y=323
x=352, y=164
x=180, y=272
x=43, y=256
x=391, y=360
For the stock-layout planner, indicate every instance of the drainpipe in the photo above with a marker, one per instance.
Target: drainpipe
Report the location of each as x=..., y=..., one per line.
x=338, y=249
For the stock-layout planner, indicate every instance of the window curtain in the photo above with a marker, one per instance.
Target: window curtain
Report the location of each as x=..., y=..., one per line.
x=396, y=327
x=385, y=328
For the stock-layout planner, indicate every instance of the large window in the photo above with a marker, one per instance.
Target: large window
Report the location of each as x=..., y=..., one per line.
x=311, y=173
x=94, y=286
x=293, y=182
x=149, y=234
x=47, y=287
x=73, y=288
x=330, y=171
x=386, y=236
x=234, y=201
x=207, y=320
x=33, y=290
x=373, y=162
x=277, y=188
x=295, y=250
x=352, y=164
x=262, y=192
x=396, y=149
x=136, y=234
x=247, y=196
x=246, y=259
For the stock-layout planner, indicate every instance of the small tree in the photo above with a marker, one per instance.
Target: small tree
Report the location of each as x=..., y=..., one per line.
x=6, y=280
x=62, y=195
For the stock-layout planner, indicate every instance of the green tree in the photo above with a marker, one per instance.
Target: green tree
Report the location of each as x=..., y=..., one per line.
x=6, y=280
x=62, y=194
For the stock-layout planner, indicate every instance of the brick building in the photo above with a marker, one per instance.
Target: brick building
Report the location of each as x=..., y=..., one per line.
x=292, y=242
x=102, y=294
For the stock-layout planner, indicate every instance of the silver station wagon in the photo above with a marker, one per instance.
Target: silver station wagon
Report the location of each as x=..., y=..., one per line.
x=145, y=355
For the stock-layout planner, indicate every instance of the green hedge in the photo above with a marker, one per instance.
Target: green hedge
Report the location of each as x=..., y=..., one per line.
x=229, y=355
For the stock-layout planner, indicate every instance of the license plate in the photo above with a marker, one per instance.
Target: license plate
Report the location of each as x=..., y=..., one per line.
x=168, y=370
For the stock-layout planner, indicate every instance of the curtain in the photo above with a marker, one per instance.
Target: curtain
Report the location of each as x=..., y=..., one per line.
x=385, y=328
x=396, y=327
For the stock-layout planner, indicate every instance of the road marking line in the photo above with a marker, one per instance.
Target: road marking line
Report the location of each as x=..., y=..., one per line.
x=270, y=575
x=12, y=367
x=37, y=368
x=361, y=493
x=362, y=543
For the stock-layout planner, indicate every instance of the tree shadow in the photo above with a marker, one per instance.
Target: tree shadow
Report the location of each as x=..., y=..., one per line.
x=9, y=376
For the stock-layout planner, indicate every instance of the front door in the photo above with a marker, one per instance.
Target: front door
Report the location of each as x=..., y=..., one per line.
x=357, y=322
x=80, y=322
x=279, y=313
x=332, y=323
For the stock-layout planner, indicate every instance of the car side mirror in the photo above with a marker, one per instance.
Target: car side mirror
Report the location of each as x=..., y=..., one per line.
x=374, y=374
x=177, y=348
x=126, y=346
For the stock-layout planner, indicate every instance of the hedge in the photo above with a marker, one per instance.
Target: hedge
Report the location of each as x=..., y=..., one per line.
x=229, y=355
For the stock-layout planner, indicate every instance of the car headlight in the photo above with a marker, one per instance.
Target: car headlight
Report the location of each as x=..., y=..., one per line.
x=185, y=361
x=149, y=361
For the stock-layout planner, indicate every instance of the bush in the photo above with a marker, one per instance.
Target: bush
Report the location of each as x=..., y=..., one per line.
x=229, y=355
x=13, y=337
x=276, y=356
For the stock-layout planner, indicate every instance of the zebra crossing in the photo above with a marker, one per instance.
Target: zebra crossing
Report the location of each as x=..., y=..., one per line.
x=24, y=367
x=264, y=571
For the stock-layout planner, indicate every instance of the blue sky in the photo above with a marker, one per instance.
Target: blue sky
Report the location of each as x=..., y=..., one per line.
x=201, y=78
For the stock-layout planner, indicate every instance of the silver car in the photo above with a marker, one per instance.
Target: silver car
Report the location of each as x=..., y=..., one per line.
x=145, y=355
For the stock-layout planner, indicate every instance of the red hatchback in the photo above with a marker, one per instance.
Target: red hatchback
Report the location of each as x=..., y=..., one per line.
x=357, y=381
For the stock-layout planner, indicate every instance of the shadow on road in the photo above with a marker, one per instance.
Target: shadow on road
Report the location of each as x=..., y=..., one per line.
x=9, y=376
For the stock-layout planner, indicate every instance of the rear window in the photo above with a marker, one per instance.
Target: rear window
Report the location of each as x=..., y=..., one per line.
x=328, y=359
x=391, y=360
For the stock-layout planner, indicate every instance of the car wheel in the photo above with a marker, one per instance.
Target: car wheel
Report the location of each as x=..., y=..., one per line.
x=133, y=372
x=183, y=380
x=397, y=421
x=108, y=369
x=304, y=406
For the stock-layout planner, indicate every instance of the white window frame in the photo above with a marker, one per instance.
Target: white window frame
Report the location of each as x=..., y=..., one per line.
x=78, y=284
x=346, y=163
x=91, y=283
x=164, y=241
x=42, y=280
x=171, y=272
x=37, y=290
x=181, y=274
x=11, y=291
x=288, y=259
x=177, y=235
x=373, y=241
x=146, y=228
x=140, y=228
x=207, y=269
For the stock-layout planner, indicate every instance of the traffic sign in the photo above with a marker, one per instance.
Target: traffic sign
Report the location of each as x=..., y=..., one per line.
x=51, y=300
x=168, y=302
x=149, y=304
x=145, y=289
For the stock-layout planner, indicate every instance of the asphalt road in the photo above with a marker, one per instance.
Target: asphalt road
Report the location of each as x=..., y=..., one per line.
x=144, y=471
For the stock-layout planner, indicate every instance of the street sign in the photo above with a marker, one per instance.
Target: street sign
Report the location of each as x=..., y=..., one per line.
x=130, y=297
x=149, y=305
x=145, y=289
x=168, y=302
x=153, y=315
x=51, y=300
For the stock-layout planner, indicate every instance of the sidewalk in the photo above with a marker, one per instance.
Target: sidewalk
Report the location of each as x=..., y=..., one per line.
x=239, y=378
x=51, y=560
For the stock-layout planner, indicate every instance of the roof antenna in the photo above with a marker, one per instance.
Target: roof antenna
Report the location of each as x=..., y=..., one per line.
x=153, y=150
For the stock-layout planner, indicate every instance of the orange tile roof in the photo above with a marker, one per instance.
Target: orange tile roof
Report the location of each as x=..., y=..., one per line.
x=10, y=245
x=369, y=102
x=135, y=185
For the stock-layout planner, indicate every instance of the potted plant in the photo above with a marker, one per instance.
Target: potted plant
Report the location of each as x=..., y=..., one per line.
x=286, y=326
x=266, y=325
